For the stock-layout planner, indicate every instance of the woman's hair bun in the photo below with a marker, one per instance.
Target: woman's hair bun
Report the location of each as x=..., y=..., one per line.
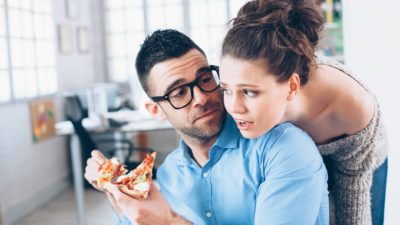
x=288, y=16
x=284, y=32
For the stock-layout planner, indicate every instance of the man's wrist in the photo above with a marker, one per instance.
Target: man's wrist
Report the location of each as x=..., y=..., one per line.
x=175, y=219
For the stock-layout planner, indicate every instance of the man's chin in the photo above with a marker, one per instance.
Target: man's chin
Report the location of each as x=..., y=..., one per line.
x=205, y=131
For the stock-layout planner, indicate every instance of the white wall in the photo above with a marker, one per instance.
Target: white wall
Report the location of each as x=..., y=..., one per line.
x=32, y=173
x=372, y=49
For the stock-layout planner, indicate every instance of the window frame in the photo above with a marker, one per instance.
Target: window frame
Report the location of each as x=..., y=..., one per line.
x=187, y=29
x=35, y=67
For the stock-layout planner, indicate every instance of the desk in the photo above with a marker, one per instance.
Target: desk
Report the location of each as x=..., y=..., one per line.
x=65, y=128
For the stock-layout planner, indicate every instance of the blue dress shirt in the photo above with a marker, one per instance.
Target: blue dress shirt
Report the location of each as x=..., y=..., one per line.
x=276, y=179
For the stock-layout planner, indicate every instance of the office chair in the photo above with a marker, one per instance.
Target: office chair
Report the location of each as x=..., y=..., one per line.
x=75, y=114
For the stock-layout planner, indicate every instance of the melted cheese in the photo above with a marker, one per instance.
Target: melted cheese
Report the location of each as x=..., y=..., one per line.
x=142, y=187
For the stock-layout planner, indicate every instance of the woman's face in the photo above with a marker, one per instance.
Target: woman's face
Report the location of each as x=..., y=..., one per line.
x=252, y=96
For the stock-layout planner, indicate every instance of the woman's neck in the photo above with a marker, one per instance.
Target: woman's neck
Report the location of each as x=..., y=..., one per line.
x=311, y=103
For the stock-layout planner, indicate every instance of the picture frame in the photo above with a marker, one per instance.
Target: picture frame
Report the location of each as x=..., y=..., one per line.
x=42, y=119
x=65, y=39
x=82, y=37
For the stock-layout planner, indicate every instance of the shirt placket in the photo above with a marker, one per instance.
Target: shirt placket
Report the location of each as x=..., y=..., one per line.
x=206, y=188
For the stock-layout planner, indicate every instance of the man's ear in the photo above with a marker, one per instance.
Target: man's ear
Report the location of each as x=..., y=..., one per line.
x=155, y=110
x=294, y=86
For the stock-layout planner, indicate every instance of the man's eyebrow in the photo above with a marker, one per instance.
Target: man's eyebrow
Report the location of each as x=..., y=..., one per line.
x=199, y=72
x=174, y=84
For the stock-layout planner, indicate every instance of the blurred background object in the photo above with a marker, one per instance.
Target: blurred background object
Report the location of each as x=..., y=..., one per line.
x=85, y=49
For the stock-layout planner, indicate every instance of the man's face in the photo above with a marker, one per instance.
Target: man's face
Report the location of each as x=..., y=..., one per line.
x=202, y=118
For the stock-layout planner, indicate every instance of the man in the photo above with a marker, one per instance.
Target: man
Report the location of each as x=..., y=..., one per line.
x=216, y=176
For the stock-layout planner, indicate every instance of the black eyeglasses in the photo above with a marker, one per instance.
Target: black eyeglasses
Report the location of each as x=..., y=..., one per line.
x=180, y=97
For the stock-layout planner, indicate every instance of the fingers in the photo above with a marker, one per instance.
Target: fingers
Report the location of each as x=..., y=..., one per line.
x=121, y=198
x=153, y=185
x=115, y=192
x=98, y=156
x=92, y=168
x=154, y=190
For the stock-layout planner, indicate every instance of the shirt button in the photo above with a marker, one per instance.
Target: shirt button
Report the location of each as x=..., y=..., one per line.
x=208, y=214
x=205, y=174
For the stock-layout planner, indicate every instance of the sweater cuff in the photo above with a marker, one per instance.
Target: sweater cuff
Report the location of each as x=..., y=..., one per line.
x=351, y=195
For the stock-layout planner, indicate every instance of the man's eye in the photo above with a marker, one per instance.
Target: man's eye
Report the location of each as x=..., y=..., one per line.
x=250, y=93
x=206, y=79
x=178, y=93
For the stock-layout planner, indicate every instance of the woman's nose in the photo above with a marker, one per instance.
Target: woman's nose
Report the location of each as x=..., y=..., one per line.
x=234, y=104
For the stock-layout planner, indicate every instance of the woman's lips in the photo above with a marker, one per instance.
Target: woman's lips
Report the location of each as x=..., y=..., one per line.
x=244, y=125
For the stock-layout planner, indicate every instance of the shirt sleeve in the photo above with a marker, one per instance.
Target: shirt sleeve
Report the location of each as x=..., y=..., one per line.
x=122, y=220
x=295, y=182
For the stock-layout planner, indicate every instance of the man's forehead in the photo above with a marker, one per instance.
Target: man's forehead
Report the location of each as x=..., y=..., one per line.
x=183, y=68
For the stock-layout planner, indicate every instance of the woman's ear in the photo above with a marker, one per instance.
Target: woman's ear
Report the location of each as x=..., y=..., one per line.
x=155, y=110
x=294, y=86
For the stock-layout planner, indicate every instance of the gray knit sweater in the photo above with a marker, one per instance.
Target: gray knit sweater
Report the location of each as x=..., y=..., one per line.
x=355, y=157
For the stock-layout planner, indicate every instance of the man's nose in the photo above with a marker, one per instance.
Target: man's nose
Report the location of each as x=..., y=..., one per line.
x=199, y=97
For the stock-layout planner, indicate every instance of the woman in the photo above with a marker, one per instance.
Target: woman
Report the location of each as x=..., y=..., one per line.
x=270, y=74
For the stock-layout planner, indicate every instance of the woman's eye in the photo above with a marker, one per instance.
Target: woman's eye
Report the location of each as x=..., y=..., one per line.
x=226, y=91
x=250, y=93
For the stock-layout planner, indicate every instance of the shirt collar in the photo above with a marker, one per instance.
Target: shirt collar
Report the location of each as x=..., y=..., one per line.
x=229, y=135
x=228, y=138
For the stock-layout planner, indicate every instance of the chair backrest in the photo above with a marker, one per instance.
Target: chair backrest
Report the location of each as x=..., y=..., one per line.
x=75, y=114
x=73, y=108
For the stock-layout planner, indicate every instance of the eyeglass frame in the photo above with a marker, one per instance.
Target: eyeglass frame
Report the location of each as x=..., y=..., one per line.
x=191, y=86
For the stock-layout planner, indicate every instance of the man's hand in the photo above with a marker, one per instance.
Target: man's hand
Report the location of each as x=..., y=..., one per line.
x=93, y=167
x=152, y=210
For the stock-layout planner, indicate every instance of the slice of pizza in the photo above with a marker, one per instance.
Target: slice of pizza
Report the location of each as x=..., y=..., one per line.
x=111, y=169
x=137, y=182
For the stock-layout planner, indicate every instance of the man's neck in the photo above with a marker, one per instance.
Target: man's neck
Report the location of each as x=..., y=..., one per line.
x=200, y=147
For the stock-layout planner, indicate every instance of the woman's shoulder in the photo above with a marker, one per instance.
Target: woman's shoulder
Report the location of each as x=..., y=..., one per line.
x=353, y=104
x=286, y=135
x=290, y=147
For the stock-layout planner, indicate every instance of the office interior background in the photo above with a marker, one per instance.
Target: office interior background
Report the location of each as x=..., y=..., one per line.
x=49, y=48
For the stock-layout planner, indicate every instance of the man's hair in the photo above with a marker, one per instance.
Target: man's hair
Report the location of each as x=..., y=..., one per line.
x=161, y=46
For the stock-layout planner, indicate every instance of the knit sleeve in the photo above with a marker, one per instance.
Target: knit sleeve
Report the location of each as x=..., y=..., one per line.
x=354, y=158
x=351, y=194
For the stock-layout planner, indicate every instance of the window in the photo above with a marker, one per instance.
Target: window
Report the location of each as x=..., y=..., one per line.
x=128, y=22
x=5, y=92
x=126, y=26
x=125, y=30
x=234, y=6
x=164, y=14
x=27, y=47
x=208, y=19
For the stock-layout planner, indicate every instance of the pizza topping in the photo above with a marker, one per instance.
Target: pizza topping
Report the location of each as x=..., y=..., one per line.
x=142, y=186
x=141, y=178
x=136, y=183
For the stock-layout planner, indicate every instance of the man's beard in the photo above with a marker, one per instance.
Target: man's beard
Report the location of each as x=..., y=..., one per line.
x=201, y=133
